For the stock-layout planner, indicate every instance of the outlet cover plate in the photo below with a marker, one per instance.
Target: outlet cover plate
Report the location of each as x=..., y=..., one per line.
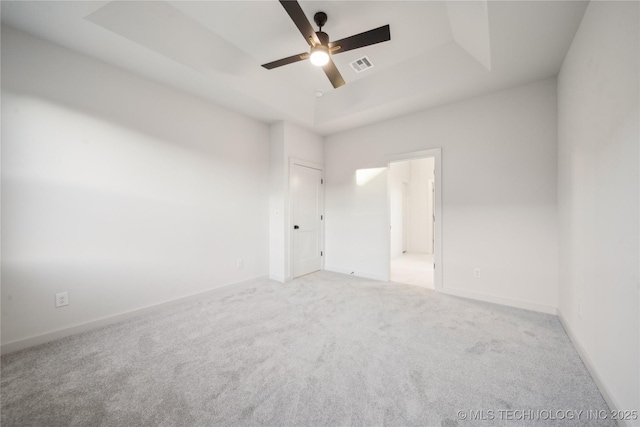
x=62, y=299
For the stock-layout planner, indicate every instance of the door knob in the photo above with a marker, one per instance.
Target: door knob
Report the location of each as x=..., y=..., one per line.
x=295, y=227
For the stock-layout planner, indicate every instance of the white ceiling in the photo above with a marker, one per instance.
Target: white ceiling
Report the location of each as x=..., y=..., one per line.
x=440, y=51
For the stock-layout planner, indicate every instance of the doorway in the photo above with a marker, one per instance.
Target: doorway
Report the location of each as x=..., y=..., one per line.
x=414, y=210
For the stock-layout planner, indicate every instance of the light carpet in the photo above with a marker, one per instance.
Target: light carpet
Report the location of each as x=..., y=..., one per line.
x=324, y=350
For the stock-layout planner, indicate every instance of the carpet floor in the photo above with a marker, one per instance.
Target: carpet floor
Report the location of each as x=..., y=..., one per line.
x=324, y=350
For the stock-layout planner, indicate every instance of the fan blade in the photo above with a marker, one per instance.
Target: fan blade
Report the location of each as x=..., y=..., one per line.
x=332, y=72
x=286, y=61
x=300, y=19
x=377, y=35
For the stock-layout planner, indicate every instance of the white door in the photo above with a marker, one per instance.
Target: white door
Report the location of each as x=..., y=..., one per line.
x=306, y=192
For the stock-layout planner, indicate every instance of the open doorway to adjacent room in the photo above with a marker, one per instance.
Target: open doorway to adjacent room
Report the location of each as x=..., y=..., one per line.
x=412, y=207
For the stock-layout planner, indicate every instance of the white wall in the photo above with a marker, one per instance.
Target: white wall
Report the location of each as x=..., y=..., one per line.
x=399, y=174
x=598, y=192
x=499, y=194
x=415, y=174
x=286, y=141
x=420, y=210
x=121, y=191
x=278, y=172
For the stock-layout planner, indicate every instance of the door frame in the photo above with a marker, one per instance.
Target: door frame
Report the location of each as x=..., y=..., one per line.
x=288, y=235
x=436, y=153
x=432, y=201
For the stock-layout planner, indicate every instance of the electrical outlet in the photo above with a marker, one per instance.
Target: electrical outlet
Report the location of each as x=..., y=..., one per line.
x=62, y=299
x=240, y=264
x=476, y=272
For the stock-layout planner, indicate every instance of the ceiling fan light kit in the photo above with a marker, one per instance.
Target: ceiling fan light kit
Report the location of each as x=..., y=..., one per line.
x=321, y=48
x=319, y=55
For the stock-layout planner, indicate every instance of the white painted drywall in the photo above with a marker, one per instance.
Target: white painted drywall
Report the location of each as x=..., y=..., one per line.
x=420, y=213
x=415, y=175
x=499, y=206
x=470, y=28
x=598, y=186
x=399, y=175
x=277, y=207
x=286, y=141
x=124, y=192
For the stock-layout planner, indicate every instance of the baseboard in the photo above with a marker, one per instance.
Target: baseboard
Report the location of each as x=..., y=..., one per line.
x=22, y=344
x=532, y=306
x=588, y=363
x=362, y=274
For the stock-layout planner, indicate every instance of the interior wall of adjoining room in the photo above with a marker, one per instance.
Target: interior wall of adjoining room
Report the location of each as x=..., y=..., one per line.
x=121, y=191
x=411, y=206
x=420, y=238
x=598, y=192
x=286, y=141
x=499, y=205
x=399, y=177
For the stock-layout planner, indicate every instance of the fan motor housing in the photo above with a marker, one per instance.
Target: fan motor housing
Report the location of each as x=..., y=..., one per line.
x=323, y=37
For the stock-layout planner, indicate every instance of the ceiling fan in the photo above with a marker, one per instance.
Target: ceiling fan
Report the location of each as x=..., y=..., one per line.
x=321, y=47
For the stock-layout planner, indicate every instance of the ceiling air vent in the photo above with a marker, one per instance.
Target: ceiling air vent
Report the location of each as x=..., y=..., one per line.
x=359, y=65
